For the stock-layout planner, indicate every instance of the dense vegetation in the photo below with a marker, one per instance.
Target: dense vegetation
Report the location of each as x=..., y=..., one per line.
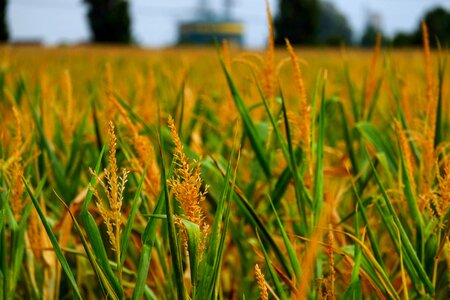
x=191, y=174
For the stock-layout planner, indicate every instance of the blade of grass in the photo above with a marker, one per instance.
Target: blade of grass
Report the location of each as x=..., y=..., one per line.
x=179, y=105
x=301, y=193
x=351, y=92
x=278, y=287
x=193, y=233
x=77, y=140
x=319, y=176
x=7, y=213
x=413, y=208
x=391, y=228
x=221, y=248
x=125, y=237
x=4, y=270
x=55, y=162
x=381, y=274
x=354, y=291
x=211, y=262
x=348, y=139
x=375, y=97
x=256, y=222
x=372, y=239
x=438, y=137
x=173, y=238
x=401, y=114
x=18, y=240
x=148, y=240
x=149, y=294
x=136, y=117
x=289, y=155
x=290, y=249
x=90, y=255
x=142, y=271
x=94, y=235
x=18, y=248
x=380, y=142
x=250, y=129
x=64, y=264
x=284, y=179
x=409, y=252
x=149, y=234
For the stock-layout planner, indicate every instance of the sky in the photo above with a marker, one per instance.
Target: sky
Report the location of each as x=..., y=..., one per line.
x=155, y=21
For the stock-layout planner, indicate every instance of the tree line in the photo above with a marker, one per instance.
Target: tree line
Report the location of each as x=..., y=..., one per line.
x=306, y=22
x=314, y=22
x=109, y=21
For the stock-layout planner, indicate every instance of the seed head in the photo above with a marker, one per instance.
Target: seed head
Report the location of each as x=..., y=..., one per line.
x=186, y=183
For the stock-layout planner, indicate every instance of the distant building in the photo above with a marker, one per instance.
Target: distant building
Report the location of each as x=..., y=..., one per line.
x=206, y=32
x=208, y=28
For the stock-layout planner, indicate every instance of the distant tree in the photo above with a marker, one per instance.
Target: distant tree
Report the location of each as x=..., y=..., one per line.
x=333, y=26
x=109, y=21
x=4, y=33
x=438, y=23
x=297, y=20
x=369, y=36
x=402, y=39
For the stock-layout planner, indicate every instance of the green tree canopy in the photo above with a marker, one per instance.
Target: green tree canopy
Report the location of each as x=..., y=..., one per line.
x=4, y=33
x=109, y=21
x=438, y=23
x=333, y=26
x=297, y=20
x=402, y=39
x=369, y=36
x=311, y=22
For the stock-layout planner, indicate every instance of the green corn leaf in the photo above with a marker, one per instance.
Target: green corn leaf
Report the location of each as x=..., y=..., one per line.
x=290, y=249
x=401, y=114
x=413, y=207
x=173, y=238
x=249, y=126
x=252, y=217
x=283, y=180
x=409, y=254
x=55, y=162
x=352, y=93
x=125, y=237
x=439, y=129
x=289, y=155
x=374, y=100
x=319, y=176
x=148, y=240
x=4, y=269
x=211, y=263
x=380, y=142
x=372, y=239
x=95, y=238
x=65, y=266
x=18, y=248
x=193, y=240
x=355, y=283
x=278, y=287
x=301, y=193
x=90, y=254
x=348, y=139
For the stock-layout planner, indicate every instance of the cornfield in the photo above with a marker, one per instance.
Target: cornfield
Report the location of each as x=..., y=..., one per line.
x=224, y=174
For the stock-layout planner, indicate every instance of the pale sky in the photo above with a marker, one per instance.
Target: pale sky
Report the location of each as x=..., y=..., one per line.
x=154, y=22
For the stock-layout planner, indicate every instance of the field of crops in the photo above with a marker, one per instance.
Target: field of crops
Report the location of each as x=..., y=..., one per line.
x=224, y=174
